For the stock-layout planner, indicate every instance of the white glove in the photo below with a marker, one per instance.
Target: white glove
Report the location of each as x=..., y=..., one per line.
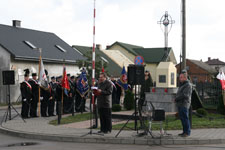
x=25, y=100
x=41, y=98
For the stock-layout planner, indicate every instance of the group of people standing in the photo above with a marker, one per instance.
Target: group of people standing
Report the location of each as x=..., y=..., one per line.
x=49, y=96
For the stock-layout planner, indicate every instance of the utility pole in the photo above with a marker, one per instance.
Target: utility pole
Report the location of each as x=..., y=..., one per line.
x=183, y=11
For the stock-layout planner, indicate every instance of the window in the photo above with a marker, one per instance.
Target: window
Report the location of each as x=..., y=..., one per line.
x=60, y=48
x=105, y=60
x=172, y=78
x=162, y=78
x=30, y=44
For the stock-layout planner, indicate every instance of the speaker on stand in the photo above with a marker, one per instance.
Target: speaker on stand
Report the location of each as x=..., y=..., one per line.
x=9, y=79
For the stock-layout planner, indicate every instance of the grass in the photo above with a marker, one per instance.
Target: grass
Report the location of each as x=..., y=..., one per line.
x=72, y=119
x=211, y=121
x=175, y=124
x=13, y=103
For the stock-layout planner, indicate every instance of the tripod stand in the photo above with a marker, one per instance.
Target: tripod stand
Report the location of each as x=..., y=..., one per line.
x=133, y=115
x=8, y=114
x=92, y=103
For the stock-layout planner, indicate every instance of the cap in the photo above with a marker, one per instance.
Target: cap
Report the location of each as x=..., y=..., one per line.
x=53, y=77
x=34, y=74
x=72, y=77
x=46, y=72
x=68, y=74
x=27, y=72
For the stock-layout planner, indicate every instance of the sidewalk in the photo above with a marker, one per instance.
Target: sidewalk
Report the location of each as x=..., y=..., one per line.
x=38, y=128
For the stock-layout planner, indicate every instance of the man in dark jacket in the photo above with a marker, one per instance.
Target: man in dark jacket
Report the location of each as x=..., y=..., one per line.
x=35, y=93
x=104, y=98
x=183, y=102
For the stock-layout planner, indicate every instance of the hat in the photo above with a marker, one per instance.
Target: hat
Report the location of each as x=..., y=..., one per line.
x=72, y=77
x=53, y=77
x=27, y=72
x=68, y=74
x=34, y=74
x=46, y=72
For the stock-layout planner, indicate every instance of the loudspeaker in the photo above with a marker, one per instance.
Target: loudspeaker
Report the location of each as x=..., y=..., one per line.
x=136, y=74
x=159, y=115
x=8, y=77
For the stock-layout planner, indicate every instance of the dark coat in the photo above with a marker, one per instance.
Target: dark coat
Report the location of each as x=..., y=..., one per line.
x=104, y=100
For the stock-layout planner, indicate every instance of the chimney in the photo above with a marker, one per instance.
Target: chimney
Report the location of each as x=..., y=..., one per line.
x=209, y=58
x=16, y=23
x=99, y=46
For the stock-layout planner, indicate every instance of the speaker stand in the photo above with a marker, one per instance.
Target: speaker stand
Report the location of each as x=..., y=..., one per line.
x=8, y=115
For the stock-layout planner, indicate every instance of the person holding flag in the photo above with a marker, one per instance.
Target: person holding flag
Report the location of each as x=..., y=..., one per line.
x=65, y=86
x=122, y=81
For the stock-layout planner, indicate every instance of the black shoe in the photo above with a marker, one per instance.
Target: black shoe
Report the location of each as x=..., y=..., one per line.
x=100, y=132
x=107, y=132
x=180, y=134
x=185, y=135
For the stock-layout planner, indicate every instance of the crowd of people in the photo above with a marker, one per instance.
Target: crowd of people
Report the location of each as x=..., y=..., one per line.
x=50, y=97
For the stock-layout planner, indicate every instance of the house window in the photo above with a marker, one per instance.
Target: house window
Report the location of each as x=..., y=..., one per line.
x=162, y=78
x=105, y=60
x=60, y=48
x=30, y=44
x=172, y=78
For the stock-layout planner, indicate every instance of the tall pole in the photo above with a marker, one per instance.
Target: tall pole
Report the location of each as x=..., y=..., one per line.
x=93, y=69
x=183, y=34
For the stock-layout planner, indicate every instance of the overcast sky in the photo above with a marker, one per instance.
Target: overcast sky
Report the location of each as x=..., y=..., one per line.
x=128, y=21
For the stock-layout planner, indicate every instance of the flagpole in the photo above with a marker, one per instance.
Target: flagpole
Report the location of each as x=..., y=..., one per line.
x=39, y=90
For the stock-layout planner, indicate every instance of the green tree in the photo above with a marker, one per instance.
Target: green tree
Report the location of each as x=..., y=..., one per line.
x=87, y=64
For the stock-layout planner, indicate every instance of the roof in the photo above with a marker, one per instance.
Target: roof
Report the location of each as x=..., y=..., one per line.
x=215, y=62
x=153, y=55
x=128, y=47
x=203, y=65
x=112, y=68
x=13, y=40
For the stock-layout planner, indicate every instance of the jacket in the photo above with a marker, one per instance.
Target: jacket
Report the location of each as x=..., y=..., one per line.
x=104, y=100
x=183, y=97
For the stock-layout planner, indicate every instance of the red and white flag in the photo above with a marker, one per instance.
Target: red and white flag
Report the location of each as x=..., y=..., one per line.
x=221, y=77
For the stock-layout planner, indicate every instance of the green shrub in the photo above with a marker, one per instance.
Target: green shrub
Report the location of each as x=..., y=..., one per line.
x=128, y=100
x=116, y=107
x=202, y=111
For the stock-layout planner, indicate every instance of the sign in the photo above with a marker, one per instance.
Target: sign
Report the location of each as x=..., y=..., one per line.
x=139, y=60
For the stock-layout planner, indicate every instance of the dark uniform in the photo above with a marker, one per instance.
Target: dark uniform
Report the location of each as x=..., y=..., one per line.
x=45, y=95
x=58, y=98
x=51, y=102
x=34, y=101
x=26, y=92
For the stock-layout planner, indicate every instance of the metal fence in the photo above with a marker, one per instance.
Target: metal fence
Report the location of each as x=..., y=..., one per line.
x=209, y=92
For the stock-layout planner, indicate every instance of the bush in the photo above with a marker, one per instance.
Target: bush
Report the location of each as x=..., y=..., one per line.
x=128, y=100
x=116, y=107
x=202, y=112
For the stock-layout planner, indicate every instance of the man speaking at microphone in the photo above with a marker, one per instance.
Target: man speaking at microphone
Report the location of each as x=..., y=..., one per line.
x=104, y=95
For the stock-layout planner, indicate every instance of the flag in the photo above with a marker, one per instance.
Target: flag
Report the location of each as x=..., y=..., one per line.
x=221, y=77
x=103, y=70
x=122, y=81
x=65, y=82
x=42, y=79
x=82, y=84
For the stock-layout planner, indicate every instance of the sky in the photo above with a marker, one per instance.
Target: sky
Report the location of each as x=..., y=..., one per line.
x=129, y=21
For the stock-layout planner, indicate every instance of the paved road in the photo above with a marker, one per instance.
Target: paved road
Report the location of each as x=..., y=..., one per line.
x=14, y=143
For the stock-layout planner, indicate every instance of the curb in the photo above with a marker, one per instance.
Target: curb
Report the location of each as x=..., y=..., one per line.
x=111, y=140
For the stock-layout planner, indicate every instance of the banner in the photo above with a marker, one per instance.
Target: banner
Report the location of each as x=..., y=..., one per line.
x=82, y=84
x=122, y=82
x=221, y=77
x=42, y=79
x=65, y=82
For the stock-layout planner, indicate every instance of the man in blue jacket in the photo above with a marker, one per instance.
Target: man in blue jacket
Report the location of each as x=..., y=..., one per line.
x=183, y=102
